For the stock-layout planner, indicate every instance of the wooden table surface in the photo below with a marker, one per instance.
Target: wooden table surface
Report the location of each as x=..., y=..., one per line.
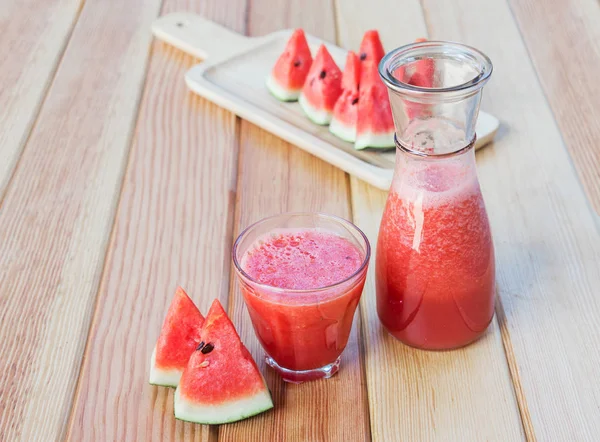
x=117, y=185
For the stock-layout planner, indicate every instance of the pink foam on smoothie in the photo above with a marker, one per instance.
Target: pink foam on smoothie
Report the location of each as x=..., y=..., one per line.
x=434, y=185
x=301, y=259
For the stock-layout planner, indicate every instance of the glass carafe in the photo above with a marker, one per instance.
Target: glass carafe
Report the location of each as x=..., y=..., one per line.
x=435, y=257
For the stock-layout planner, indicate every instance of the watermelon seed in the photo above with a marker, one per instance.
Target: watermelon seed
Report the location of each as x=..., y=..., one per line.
x=297, y=63
x=207, y=348
x=322, y=74
x=363, y=56
x=354, y=101
x=200, y=346
x=204, y=364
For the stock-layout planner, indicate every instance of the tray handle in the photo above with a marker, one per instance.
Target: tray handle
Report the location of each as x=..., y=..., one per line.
x=197, y=36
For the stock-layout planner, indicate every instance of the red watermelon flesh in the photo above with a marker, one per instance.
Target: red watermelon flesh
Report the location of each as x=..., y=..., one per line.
x=289, y=73
x=371, y=50
x=345, y=112
x=221, y=382
x=375, y=126
x=178, y=339
x=422, y=75
x=424, y=70
x=322, y=88
x=351, y=76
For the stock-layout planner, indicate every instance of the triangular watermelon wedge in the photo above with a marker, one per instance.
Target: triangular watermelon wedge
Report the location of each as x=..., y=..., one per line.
x=375, y=125
x=422, y=74
x=178, y=339
x=322, y=88
x=289, y=73
x=345, y=112
x=221, y=382
x=371, y=50
x=424, y=71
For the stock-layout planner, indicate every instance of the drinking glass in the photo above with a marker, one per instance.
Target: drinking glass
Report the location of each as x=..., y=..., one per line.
x=303, y=332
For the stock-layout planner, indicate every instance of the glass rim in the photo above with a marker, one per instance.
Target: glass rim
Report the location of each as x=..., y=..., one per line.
x=338, y=219
x=485, y=68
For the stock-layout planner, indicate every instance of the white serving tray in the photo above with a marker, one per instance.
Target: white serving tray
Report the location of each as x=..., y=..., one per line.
x=233, y=76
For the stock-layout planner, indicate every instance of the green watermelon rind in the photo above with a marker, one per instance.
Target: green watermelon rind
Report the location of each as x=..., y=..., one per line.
x=342, y=131
x=320, y=117
x=280, y=92
x=379, y=141
x=214, y=414
x=162, y=377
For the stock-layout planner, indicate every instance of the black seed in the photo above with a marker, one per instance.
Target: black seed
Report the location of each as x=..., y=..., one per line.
x=322, y=74
x=354, y=101
x=200, y=346
x=363, y=56
x=207, y=348
x=297, y=63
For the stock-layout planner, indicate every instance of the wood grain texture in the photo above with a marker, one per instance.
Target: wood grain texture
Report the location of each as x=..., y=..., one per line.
x=275, y=177
x=563, y=41
x=173, y=227
x=465, y=394
x=58, y=212
x=30, y=49
x=176, y=221
x=546, y=235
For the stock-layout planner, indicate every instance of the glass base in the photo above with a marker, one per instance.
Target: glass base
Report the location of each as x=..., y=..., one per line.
x=299, y=376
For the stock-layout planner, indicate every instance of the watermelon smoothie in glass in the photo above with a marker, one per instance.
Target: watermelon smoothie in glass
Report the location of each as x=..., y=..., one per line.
x=302, y=275
x=435, y=275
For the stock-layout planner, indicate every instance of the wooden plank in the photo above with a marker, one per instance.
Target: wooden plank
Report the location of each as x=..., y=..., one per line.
x=465, y=394
x=546, y=235
x=563, y=41
x=30, y=49
x=57, y=215
x=276, y=177
x=174, y=227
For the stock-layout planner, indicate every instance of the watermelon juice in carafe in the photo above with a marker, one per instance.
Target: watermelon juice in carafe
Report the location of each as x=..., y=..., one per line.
x=435, y=258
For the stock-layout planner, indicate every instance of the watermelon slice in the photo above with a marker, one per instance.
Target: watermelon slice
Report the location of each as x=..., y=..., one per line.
x=422, y=75
x=289, y=73
x=345, y=112
x=371, y=50
x=221, y=382
x=178, y=339
x=424, y=70
x=375, y=126
x=322, y=88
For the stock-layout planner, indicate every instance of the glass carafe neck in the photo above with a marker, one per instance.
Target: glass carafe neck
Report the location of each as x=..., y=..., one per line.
x=426, y=177
x=435, y=90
